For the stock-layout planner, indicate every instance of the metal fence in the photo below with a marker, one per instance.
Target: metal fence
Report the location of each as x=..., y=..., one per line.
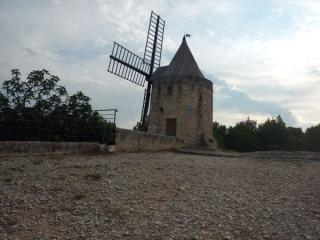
x=34, y=126
x=108, y=114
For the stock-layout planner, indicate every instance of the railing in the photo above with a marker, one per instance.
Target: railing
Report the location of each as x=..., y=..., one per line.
x=33, y=126
x=108, y=114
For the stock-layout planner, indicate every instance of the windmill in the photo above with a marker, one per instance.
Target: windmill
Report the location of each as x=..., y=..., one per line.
x=137, y=70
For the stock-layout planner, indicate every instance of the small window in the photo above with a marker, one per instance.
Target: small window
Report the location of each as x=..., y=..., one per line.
x=169, y=90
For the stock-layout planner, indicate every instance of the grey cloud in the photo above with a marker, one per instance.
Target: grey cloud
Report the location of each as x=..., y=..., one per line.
x=30, y=51
x=63, y=39
x=314, y=71
x=4, y=78
x=227, y=98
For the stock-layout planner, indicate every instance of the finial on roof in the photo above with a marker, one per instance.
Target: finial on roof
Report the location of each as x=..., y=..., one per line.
x=183, y=62
x=186, y=35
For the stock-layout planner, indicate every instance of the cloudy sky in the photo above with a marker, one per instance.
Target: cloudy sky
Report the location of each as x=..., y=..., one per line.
x=263, y=56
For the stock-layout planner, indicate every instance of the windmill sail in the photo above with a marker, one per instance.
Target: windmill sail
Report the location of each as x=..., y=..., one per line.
x=154, y=41
x=128, y=65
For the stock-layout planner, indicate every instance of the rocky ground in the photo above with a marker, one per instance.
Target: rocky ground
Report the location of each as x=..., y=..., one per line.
x=160, y=196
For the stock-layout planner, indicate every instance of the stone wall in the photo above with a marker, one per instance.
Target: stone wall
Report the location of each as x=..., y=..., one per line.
x=126, y=140
x=131, y=141
x=29, y=147
x=190, y=102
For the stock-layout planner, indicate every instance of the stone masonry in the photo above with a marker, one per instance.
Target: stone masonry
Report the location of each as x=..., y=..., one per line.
x=181, y=101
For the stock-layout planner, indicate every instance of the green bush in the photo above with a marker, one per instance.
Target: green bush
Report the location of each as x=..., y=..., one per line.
x=242, y=137
x=312, y=138
x=40, y=109
x=273, y=134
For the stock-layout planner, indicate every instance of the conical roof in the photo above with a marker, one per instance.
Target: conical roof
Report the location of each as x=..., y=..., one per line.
x=183, y=63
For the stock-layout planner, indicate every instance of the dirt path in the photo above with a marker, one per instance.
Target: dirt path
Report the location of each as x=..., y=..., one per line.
x=160, y=196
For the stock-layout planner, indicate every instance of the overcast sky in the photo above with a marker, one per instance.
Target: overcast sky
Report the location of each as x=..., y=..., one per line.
x=263, y=56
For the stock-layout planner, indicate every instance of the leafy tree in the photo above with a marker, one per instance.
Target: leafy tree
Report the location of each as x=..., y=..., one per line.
x=16, y=91
x=105, y=131
x=220, y=133
x=4, y=102
x=295, y=139
x=312, y=138
x=242, y=137
x=272, y=134
x=43, y=89
x=79, y=106
x=40, y=109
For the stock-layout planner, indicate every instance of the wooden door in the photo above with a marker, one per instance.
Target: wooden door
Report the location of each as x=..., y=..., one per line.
x=171, y=126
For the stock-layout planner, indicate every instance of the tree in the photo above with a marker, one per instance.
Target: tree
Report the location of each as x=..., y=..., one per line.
x=40, y=92
x=4, y=102
x=43, y=89
x=79, y=105
x=272, y=134
x=295, y=139
x=16, y=91
x=40, y=109
x=312, y=138
x=242, y=137
x=220, y=133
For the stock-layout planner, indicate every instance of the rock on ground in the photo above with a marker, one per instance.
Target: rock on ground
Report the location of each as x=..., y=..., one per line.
x=274, y=195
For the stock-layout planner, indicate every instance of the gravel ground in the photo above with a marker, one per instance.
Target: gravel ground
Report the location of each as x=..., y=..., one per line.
x=162, y=195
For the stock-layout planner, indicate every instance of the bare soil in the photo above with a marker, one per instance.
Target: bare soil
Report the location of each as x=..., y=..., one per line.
x=166, y=195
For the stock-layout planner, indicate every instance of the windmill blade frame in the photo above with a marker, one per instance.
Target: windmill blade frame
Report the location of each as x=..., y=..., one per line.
x=128, y=65
x=133, y=68
x=153, y=48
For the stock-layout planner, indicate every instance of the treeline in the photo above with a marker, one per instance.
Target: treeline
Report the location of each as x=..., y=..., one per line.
x=273, y=134
x=39, y=109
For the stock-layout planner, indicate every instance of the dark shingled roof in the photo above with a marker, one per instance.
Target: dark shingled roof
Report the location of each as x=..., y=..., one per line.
x=159, y=72
x=183, y=63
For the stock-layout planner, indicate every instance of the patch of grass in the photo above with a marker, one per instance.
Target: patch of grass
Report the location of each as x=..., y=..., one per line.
x=78, y=196
x=60, y=177
x=17, y=169
x=37, y=162
x=159, y=168
x=113, y=212
x=9, y=221
x=93, y=177
x=58, y=156
x=8, y=180
x=57, y=189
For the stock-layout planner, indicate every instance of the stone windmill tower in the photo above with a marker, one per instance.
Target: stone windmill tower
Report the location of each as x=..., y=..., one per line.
x=181, y=101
